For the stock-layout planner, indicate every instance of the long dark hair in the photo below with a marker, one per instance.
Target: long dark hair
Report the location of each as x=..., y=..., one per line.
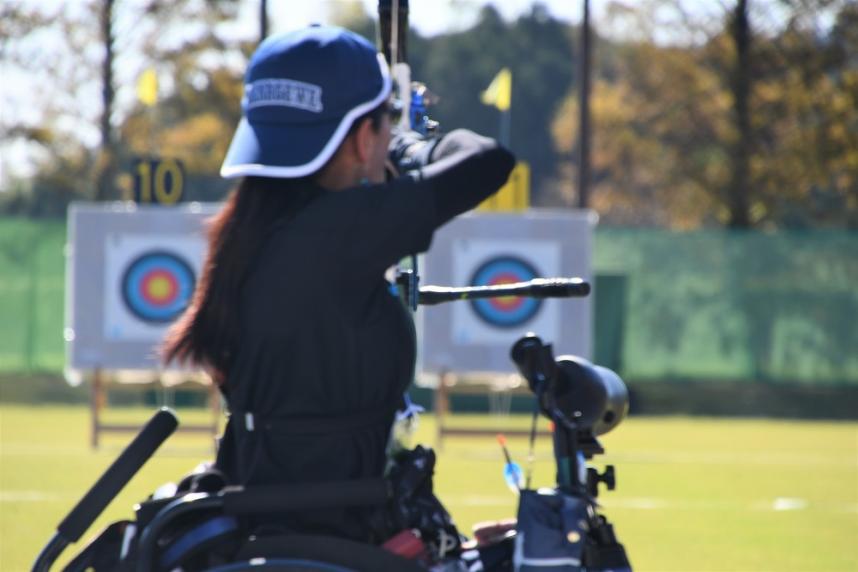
x=205, y=334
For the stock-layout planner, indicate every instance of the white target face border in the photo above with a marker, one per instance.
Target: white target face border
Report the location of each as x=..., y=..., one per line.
x=468, y=255
x=121, y=250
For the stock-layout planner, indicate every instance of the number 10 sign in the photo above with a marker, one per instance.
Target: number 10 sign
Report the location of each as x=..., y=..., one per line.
x=158, y=181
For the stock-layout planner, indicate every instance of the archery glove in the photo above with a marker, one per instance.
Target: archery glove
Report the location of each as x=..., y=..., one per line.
x=410, y=150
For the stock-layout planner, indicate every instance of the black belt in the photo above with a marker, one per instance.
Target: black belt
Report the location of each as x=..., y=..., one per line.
x=313, y=424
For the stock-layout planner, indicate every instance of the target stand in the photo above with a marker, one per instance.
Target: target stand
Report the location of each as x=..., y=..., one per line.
x=131, y=273
x=104, y=382
x=499, y=392
x=156, y=287
x=466, y=343
x=502, y=314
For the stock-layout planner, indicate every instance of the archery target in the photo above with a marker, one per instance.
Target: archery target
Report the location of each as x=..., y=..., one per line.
x=487, y=248
x=149, y=281
x=509, y=311
x=157, y=286
x=483, y=262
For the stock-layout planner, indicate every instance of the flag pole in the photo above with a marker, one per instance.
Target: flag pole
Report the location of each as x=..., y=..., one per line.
x=505, y=124
x=506, y=114
x=263, y=20
x=584, y=112
x=499, y=95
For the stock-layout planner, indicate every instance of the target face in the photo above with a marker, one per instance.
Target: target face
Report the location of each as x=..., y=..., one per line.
x=157, y=286
x=509, y=311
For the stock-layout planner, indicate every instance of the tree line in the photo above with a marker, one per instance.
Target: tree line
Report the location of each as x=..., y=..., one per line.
x=739, y=122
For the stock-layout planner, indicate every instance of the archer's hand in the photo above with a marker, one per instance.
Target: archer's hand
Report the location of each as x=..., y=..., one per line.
x=409, y=150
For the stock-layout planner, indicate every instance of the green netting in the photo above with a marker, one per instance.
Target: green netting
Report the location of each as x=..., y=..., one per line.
x=32, y=269
x=707, y=305
x=745, y=306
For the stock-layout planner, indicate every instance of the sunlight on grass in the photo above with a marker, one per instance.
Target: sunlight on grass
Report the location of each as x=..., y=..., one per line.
x=692, y=494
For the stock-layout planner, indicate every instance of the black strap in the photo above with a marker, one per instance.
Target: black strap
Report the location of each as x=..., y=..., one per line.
x=298, y=497
x=313, y=425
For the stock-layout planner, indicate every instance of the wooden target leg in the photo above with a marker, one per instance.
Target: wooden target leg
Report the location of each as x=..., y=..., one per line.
x=442, y=406
x=214, y=405
x=96, y=403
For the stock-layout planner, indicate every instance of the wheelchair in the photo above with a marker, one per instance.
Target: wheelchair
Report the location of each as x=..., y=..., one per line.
x=206, y=526
x=205, y=530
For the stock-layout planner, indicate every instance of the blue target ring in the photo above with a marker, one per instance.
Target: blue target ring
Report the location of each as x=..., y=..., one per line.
x=157, y=286
x=512, y=311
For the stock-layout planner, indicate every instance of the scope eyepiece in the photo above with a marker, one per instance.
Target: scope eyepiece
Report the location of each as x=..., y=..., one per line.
x=535, y=362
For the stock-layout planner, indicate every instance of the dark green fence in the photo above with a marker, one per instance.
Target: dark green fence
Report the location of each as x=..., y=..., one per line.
x=741, y=306
x=32, y=275
x=745, y=307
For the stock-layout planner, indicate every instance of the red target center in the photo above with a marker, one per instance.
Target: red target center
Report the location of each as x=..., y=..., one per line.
x=159, y=287
x=505, y=303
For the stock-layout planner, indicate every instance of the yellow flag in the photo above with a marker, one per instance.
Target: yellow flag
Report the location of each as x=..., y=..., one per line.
x=499, y=92
x=147, y=87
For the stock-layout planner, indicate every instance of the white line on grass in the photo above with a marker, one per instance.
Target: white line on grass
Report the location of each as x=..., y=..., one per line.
x=27, y=496
x=783, y=503
x=780, y=504
x=109, y=451
x=674, y=457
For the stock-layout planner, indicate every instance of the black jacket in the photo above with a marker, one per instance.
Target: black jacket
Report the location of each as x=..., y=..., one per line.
x=326, y=350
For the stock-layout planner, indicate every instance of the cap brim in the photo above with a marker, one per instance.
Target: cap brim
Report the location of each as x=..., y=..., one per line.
x=273, y=150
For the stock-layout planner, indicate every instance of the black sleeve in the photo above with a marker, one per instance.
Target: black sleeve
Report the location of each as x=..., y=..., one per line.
x=398, y=218
x=386, y=223
x=464, y=169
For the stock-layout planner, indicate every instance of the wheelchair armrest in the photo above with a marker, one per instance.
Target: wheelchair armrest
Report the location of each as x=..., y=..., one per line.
x=266, y=499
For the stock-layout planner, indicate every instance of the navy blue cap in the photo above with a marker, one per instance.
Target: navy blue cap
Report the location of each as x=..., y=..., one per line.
x=302, y=92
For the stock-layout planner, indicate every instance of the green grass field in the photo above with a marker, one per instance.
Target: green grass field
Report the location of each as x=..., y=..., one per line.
x=693, y=494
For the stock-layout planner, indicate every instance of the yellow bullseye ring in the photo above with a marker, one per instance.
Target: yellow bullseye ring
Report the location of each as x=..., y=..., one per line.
x=505, y=301
x=160, y=288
